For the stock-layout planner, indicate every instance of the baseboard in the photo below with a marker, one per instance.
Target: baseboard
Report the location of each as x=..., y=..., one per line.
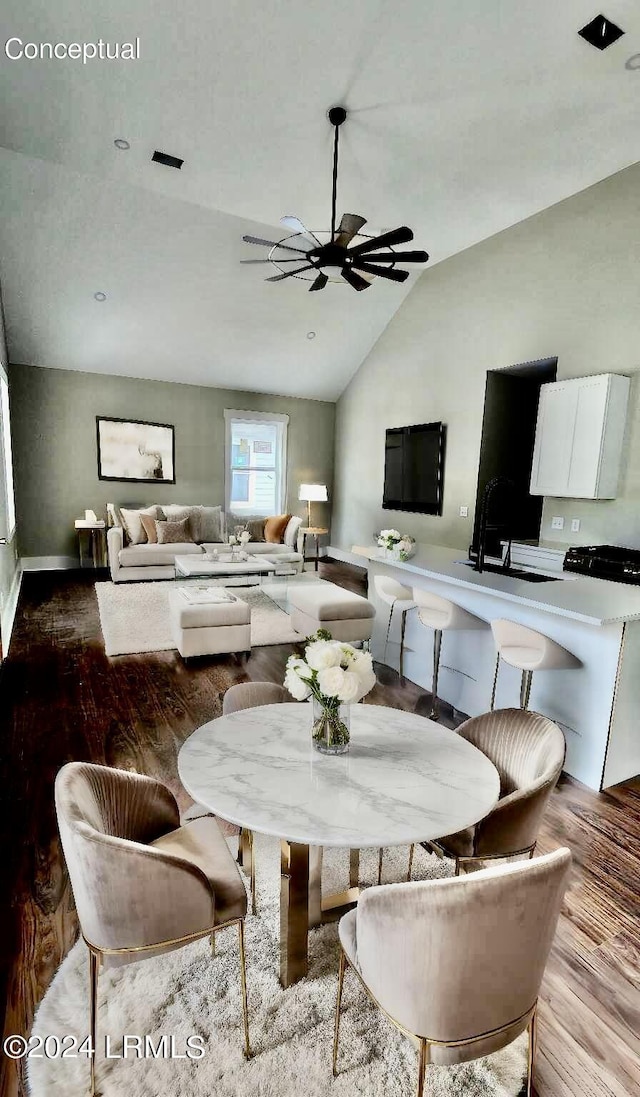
x=347, y=557
x=11, y=605
x=48, y=563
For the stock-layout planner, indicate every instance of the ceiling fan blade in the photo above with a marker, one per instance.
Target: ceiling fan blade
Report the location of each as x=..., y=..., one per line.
x=396, y=256
x=272, y=244
x=382, y=272
x=319, y=283
x=289, y=273
x=272, y=261
x=354, y=279
x=349, y=227
x=295, y=224
x=387, y=240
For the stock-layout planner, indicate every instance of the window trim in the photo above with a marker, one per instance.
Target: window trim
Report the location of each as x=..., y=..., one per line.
x=5, y=442
x=233, y=416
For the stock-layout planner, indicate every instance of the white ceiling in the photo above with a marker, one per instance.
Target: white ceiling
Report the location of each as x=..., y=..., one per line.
x=465, y=118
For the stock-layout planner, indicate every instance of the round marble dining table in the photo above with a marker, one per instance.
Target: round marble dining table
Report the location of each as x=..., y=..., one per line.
x=405, y=779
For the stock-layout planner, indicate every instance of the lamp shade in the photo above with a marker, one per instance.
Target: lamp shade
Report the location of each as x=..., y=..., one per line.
x=313, y=493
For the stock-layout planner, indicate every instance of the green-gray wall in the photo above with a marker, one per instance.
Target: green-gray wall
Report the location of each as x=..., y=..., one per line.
x=8, y=553
x=54, y=436
x=564, y=283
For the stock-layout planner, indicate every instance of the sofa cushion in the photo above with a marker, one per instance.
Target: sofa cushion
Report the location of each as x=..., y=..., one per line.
x=291, y=532
x=327, y=602
x=212, y=524
x=274, y=528
x=175, y=512
x=138, y=555
x=132, y=522
x=255, y=528
x=149, y=527
x=174, y=531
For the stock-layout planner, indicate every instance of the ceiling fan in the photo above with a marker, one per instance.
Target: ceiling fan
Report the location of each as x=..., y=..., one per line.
x=358, y=265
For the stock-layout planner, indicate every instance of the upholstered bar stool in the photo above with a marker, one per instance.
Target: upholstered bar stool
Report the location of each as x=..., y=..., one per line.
x=394, y=595
x=441, y=615
x=527, y=650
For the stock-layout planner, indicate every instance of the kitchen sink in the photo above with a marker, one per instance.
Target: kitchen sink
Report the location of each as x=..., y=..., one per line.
x=515, y=573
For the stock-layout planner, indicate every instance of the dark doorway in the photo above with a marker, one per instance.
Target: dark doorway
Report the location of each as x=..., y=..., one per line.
x=506, y=450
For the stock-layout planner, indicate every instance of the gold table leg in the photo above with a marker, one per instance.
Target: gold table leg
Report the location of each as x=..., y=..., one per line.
x=294, y=911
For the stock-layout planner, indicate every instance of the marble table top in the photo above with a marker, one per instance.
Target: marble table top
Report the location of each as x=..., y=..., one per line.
x=405, y=779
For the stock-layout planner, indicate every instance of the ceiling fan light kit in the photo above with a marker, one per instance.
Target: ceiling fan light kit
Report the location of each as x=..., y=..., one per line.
x=334, y=259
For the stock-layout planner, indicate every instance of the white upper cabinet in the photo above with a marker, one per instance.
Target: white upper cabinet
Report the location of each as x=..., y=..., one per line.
x=579, y=437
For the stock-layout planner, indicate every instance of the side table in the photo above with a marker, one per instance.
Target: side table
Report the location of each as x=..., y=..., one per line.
x=92, y=537
x=315, y=532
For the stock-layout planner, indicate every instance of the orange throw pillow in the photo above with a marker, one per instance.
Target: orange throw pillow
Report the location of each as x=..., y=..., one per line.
x=274, y=528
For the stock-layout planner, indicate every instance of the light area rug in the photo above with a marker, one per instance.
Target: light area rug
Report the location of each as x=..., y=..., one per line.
x=187, y=992
x=134, y=617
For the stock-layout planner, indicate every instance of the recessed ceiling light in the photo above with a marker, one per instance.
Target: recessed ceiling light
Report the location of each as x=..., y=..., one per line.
x=633, y=62
x=311, y=335
x=601, y=32
x=100, y=296
x=120, y=143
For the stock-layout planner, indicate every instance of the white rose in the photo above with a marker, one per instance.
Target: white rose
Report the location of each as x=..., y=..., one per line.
x=350, y=689
x=347, y=654
x=299, y=667
x=330, y=681
x=297, y=688
x=367, y=682
x=363, y=663
x=322, y=654
x=245, y=537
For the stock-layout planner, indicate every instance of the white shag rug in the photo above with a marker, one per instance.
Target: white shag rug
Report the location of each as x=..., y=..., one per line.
x=187, y=992
x=135, y=617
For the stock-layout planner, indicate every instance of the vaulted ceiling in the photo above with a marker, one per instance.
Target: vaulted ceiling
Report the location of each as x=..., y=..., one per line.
x=465, y=118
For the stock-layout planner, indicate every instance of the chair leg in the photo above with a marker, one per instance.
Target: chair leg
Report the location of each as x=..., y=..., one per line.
x=533, y=1033
x=94, y=967
x=495, y=683
x=254, y=907
x=437, y=641
x=386, y=640
x=213, y=944
x=423, y=1060
x=336, y=1030
x=243, y=986
x=525, y=688
x=380, y=855
x=411, y=851
x=402, y=630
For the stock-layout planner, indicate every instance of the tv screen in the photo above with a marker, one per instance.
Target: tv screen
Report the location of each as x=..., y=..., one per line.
x=414, y=468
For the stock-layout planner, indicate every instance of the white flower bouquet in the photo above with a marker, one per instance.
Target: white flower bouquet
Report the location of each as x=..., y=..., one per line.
x=388, y=538
x=401, y=545
x=335, y=674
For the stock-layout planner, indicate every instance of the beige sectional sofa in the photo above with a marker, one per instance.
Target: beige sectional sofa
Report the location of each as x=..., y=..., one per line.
x=135, y=560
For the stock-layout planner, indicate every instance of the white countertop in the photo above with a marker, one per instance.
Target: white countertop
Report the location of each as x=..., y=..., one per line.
x=592, y=601
x=405, y=779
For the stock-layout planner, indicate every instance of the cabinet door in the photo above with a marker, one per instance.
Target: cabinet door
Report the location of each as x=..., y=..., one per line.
x=554, y=437
x=588, y=434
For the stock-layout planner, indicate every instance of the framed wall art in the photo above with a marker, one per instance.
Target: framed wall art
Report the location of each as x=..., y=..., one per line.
x=134, y=450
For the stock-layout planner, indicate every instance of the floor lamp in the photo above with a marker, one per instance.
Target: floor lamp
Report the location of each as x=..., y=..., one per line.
x=312, y=493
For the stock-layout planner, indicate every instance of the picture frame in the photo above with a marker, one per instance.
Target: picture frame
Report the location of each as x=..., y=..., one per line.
x=135, y=450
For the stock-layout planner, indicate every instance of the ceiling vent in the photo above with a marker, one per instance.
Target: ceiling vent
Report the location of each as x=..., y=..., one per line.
x=601, y=32
x=168, y=161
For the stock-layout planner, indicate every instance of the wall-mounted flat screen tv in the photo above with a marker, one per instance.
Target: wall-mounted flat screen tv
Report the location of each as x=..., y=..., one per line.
x=414, y=468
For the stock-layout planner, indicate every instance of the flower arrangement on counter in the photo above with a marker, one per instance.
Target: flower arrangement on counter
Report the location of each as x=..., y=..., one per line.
x=335, y=674
x=401, y=545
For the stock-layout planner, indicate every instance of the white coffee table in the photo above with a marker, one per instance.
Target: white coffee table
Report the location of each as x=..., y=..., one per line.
x=406, y=779
x=196, y=567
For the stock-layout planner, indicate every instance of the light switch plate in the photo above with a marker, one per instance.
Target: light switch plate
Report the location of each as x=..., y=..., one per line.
x=557, y=523
x=575, y=525
x=464, y=512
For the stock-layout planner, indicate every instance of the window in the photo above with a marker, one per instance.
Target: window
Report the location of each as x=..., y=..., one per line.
x=6, y=460
x=256, y=462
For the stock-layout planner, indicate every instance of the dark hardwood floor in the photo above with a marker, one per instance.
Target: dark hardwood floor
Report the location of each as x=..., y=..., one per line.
x=62, y=698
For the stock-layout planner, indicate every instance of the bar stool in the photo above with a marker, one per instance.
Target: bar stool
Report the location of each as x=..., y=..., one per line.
x=394, y=594
x=527, y=650
x=441, y=615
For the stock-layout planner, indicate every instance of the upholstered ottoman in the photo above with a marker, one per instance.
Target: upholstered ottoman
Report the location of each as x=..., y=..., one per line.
x=347, y=616
x=209, y=628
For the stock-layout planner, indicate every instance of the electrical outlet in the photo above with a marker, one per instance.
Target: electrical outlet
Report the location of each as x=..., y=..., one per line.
x=464, y=512
x=557, y=523
x=575, y=525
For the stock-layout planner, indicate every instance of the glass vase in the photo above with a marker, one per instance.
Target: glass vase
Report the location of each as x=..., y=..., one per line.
x=330, y=733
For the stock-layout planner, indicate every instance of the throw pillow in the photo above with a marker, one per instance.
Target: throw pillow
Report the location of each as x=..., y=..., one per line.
x=211, y=524
x=255, y=528
x=291, y=532
x=274, y=528
x=133, y=525
x=174, y=533
x=149, y=527
x=175, y=513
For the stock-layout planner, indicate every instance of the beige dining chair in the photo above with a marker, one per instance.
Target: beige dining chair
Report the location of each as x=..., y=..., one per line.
x=142, y=883
x=457, y=964
x=528, y=751
x=242, y=696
